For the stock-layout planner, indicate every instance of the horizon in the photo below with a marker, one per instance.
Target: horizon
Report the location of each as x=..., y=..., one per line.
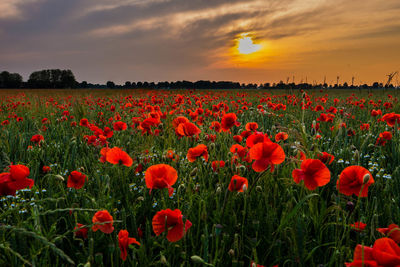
x=256, y=41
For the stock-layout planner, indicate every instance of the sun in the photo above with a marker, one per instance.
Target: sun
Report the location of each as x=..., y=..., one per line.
x=246, y=45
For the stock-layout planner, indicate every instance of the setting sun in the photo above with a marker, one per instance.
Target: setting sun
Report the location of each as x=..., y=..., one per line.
x=246, y=45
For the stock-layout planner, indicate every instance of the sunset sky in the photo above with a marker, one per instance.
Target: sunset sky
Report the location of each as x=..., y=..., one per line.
x=161, y=40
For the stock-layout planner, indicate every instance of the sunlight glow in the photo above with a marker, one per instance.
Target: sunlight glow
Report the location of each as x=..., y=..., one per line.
x=246, y=46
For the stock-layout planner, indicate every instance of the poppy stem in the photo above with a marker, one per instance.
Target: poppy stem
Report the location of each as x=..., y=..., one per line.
x=255, y=182
x=225, y=201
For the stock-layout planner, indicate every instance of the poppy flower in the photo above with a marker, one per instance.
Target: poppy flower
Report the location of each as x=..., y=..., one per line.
x=187, y=129
x=117, y=156
x=313, y=172
x=82, y=233
x=217, y=164
x=363, y=257
x=238, y=184
x=238, y=138
x=198, y=151
x=228, y=121
x=266, y=154
x=37, y=138
x=103, y=221
x=46, y=169
x=161, y=176
x=358, y=226
x=326, y=158
x=120, y=126
x=84, y=122
x=393, y=232
x=216, y=126
x=124, y=241
x=391, y=119
x=383, y=138
x=386, y=252
x=251, y=126
x=353, y=179
x=256, y=138
x=14, y=180
x=76, y=180
x=281, y=136
x=179, y=120
x=172, y=222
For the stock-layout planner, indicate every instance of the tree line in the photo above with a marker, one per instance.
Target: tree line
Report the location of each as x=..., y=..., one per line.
x=56, y=78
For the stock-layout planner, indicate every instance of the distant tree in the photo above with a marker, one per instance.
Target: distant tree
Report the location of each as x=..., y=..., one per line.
x=10, y=80
x=54, y=78
x=128, y=84
x=84, y=84
x=110, y=84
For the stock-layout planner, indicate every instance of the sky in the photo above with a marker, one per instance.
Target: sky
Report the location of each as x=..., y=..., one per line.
x=169, y=40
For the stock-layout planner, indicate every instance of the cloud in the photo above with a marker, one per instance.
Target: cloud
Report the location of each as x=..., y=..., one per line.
x=181, y=39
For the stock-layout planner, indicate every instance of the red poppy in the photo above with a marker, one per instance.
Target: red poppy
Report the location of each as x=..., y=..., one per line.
x=82, y=233
x=216, y=126
x=161, y=176
x=358, y=226
x=266, y=154
x=256, y=138
x=391, y=119
x=37, y=138
x=172, y=222
x=363, y=257
x=281, y=136
x=46, y=169
x=383, y=138
x=353, y=179
x=393, y=232
x=251, y=126
x=217, y=164
x=76, y=180
x=120, y=126
x=228, y=121
x=178, y=121
x=198, y=151
x=238, y=138
x=326, y=158
x=386, y=252
x=103, y=221
x=313, y=172
x=124, y=241
x=238, y=184
x=14, y=180
x=84, y=122
x=187, y=129
x=117, y=156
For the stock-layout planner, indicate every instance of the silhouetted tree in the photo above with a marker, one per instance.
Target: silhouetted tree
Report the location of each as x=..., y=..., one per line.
x=10, y=80
x=110, y=84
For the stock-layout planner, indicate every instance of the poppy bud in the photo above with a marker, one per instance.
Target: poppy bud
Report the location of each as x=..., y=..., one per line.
x=193, y=172
x=81, y=169
x=197, y=259
x=356, y=155
x=59, y=177
x=350, y=206
x=231, y=252
x=218, y=191
x=140, y=198
x=212, y=146
x=366, y=178
x=181, y=187
x=244, y=187
x=259, y=188
x=163, y=260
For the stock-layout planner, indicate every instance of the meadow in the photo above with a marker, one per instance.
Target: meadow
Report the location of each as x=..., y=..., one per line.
x=199, y=178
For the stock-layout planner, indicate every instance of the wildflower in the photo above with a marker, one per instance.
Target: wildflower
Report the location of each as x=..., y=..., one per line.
x=353, y=179
x=313, y=172
x=198, y=151
x=103, y=221
x=266, y=154
x=172, y=222
x=161, y=176
x=124, y=241
x=76, y=180
x=118, y=156
x=238, y=184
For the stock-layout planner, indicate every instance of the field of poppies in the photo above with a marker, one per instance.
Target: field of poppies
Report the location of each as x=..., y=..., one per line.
x=199, y=178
